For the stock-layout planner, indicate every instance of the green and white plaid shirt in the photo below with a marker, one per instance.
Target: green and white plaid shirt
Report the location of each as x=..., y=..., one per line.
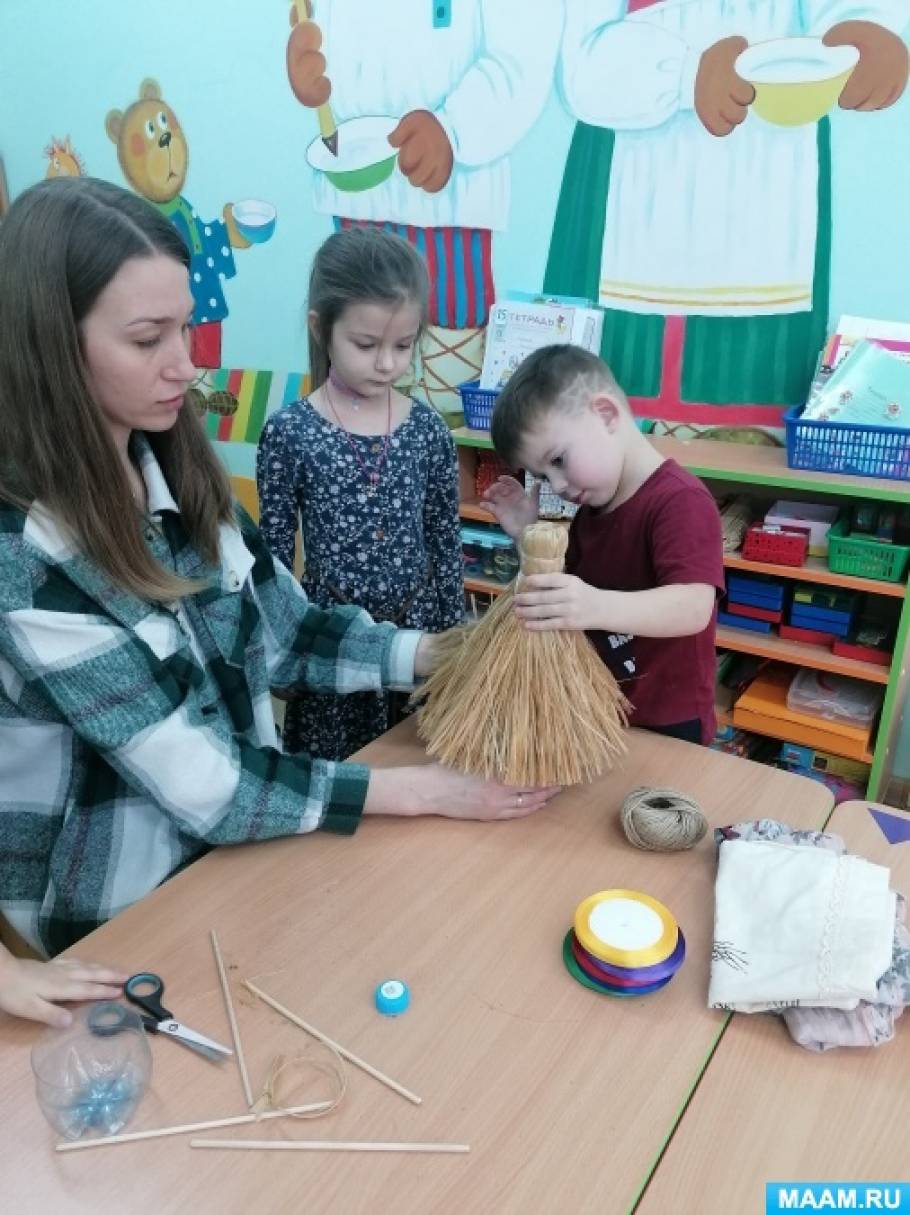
x=133, y=737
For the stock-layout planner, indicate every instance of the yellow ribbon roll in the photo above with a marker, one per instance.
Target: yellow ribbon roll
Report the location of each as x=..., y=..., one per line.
x=626, y=928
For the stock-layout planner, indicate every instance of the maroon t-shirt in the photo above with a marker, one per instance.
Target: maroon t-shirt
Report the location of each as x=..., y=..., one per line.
x=668, y=532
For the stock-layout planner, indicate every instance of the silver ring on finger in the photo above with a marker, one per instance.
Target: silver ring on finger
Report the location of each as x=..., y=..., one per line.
x=521, y=798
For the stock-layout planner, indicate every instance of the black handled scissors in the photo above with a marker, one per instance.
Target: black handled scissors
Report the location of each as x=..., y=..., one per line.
x=145, y=991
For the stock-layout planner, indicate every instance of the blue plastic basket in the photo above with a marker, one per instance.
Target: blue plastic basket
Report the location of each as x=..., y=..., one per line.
x=478, y=404
x=847, y=447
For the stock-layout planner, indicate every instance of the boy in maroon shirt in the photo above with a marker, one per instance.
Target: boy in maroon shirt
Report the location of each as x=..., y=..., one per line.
x=645, y=557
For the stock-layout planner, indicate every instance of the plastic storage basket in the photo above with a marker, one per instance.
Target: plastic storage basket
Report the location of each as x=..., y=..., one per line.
x=478, y=404
x=865, y=558
x=846, y=447
x=776, y=545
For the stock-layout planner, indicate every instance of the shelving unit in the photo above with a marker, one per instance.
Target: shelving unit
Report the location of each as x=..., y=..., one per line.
x=486, y=586
x=470, y=508
x=816, y=570
x=734, y=467
x=798, y=654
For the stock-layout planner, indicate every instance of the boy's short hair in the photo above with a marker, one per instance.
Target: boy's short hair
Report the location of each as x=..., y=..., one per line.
x=554, y=377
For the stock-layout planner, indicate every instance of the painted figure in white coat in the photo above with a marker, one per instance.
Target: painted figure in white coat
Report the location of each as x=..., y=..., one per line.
x=704, y=229
x=466, y=79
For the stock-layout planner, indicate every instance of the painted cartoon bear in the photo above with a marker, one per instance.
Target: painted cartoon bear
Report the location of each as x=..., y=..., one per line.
x=154, y=156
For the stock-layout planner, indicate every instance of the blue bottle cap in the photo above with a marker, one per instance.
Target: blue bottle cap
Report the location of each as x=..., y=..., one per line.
x=392, y=997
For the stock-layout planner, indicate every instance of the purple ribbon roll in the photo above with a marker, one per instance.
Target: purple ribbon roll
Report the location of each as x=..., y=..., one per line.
x=634, y=976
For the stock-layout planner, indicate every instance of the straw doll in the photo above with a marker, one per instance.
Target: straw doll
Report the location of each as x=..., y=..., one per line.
x=526, y=707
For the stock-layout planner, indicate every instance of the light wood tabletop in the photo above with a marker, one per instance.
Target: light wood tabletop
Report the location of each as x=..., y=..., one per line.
x=769, y=1110
x=566, y=1096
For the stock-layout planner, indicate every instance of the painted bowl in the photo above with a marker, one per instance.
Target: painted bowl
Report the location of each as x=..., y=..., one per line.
x=796, y=80
x=365, y=157
x=255, y=220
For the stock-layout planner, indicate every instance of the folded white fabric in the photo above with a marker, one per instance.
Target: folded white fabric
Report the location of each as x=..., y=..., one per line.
x=797, y=926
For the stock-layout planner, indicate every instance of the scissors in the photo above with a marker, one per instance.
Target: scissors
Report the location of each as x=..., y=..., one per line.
x=145, y=991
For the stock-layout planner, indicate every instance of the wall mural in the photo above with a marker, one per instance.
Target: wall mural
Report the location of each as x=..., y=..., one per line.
x=63, y=160
x=696, y=200
x=153, y=151
x=419, y=105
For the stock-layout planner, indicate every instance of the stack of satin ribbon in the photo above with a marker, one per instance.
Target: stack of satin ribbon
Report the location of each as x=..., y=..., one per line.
x=623, y=943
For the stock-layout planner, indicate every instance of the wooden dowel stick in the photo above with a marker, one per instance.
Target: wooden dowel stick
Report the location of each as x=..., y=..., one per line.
x=188, y=1128
x=316, y=1033
x=235, y=1032
x=324, y=1145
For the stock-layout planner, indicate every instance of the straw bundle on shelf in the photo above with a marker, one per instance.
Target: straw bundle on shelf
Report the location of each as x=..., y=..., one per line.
x=526, y=708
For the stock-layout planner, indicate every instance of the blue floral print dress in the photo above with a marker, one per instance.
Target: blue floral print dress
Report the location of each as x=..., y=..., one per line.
x=389, y=543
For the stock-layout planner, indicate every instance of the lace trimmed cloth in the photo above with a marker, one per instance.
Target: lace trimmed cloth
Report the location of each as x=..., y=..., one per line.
x=797, y=925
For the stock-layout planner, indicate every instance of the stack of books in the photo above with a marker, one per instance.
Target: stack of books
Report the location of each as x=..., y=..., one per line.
x=863, y=374
x=522, y=323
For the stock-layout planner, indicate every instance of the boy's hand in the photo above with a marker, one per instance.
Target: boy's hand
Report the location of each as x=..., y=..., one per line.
x=514, y=509
x=558, y=601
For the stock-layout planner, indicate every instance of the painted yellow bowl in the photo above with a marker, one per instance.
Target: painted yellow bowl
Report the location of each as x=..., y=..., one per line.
x=796, y=80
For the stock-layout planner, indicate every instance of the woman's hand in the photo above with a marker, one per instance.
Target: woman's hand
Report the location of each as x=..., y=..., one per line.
x=434, y=789
x=426, y=655
x=33, y=989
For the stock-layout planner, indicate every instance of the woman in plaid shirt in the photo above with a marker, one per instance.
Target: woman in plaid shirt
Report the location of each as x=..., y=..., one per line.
x=142, y=619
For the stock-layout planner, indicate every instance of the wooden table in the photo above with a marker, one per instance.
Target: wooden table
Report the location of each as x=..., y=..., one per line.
x=566, y=1096
x=768, y=1110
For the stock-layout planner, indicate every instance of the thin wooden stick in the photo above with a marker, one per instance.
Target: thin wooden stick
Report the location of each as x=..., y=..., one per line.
x=189, y=1127
x=349, y=1055
x=235, y=1032
x=324, y=1145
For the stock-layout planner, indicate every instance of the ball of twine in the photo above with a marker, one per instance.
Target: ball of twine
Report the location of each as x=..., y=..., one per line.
x=662, y=820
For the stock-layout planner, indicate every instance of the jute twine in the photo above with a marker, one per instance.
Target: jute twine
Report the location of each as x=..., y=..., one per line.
x=332, y=1066
x=662, y=820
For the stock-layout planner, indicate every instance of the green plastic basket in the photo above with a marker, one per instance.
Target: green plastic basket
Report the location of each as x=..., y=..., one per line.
x=865, y=558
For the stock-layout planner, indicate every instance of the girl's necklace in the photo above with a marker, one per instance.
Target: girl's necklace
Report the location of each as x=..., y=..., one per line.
x=338, y=382
x=371, y=474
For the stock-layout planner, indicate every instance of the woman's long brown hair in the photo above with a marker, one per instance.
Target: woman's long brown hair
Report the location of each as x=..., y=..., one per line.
x=61, y=243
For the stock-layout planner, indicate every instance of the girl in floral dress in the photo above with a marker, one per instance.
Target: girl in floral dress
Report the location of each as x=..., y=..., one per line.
x=370, y=474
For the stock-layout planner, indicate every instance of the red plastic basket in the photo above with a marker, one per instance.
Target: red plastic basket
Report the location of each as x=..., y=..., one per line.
x=489, y=469
x=776, y=545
